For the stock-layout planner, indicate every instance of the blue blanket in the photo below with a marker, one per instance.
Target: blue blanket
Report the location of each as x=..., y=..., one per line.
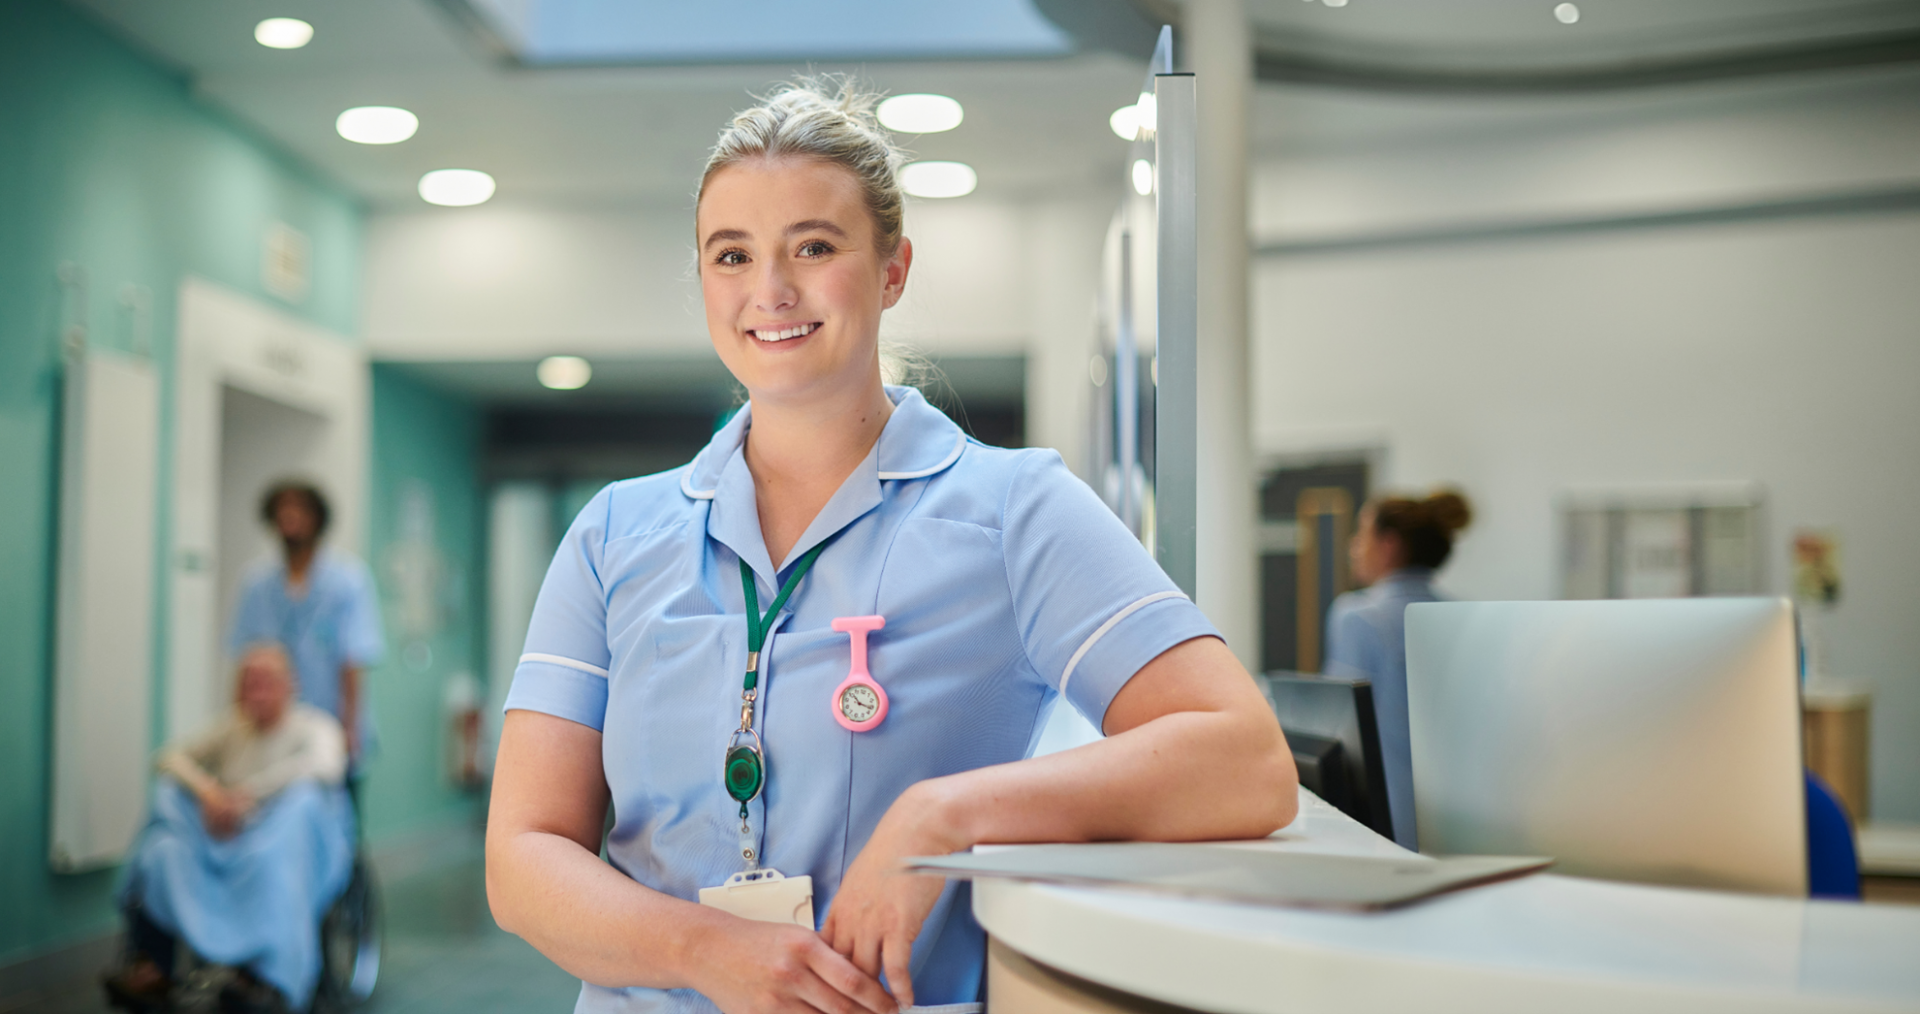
x=254, y=900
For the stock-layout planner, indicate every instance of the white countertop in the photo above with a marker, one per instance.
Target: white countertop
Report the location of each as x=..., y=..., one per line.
x=1543, y=942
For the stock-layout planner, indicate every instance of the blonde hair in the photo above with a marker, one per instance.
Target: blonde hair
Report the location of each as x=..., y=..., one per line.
x=828, y=118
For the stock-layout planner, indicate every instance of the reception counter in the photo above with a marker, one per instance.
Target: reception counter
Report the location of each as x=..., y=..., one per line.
x=1544, y=942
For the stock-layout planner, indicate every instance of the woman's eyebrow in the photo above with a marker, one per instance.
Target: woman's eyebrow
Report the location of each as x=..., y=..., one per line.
x=720, y=235
x=816, y=225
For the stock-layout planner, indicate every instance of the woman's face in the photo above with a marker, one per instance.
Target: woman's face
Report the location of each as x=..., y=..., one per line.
x=1373, y=554
x=793, y=278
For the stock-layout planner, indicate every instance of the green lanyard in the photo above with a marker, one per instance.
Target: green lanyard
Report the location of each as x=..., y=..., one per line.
x=746, y=770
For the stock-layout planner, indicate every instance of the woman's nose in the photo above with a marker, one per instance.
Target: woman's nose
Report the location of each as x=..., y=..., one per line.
x=775, y=291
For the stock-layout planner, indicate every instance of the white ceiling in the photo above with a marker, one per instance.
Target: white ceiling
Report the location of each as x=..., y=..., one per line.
x=638, y=134
x=1490, y=34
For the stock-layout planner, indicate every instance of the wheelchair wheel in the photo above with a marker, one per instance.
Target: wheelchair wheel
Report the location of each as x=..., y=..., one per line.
x=350, y=944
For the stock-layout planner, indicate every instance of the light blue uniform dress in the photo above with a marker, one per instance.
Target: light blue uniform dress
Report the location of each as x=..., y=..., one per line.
x=335, y=623
x=1004, y=582
x=1367, y=638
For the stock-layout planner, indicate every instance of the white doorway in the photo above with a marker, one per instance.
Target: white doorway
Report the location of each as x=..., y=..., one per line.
x=261, y=441
x=259, y=395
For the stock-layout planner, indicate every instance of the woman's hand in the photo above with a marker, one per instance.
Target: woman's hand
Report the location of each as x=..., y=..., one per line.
x=880, y=907
x=749, y=967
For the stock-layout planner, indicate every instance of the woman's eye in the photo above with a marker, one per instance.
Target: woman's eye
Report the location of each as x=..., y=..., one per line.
x=731, y=258
x=816, y=248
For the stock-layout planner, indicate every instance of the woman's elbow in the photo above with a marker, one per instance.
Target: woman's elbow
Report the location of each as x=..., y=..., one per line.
x=499, y=893
x=1278, y=787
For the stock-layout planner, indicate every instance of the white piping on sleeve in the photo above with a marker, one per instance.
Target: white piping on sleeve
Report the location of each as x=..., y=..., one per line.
x=1112, y=621
x=958, y=446
x=562, y=660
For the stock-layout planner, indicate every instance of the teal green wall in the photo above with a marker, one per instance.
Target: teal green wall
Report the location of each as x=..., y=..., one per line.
x=106, y=162
x=426, y=448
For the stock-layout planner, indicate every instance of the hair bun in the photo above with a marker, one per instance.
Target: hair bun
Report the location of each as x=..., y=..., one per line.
x=1448, y=509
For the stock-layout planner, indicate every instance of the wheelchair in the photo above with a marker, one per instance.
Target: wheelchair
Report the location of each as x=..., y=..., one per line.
x=349, y=957
x=350, y=944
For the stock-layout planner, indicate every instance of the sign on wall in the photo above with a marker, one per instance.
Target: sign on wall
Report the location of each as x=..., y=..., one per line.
x=1661, y=542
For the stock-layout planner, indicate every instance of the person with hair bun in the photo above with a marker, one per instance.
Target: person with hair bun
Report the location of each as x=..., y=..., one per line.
x=1397, y=545
x=905, y=604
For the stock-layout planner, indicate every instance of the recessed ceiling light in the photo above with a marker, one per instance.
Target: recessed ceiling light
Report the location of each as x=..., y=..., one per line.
x=564, y=373
x=1335, y=3
x=376, y=124
x=938, y=179
x=1142, y=177
x=1125, y=122
x=456, y=188
x=920, y=114
x=283, y=33
x=1147, y=112
x=1567, y=14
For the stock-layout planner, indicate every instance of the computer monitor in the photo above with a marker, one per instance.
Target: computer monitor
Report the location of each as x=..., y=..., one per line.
x=1330, y=726
x=1653, y=740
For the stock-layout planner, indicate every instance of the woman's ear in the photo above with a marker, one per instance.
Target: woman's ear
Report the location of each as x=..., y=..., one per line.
x=895, y=283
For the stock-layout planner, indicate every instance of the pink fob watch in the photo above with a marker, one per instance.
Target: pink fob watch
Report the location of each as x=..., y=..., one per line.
x=858, y=703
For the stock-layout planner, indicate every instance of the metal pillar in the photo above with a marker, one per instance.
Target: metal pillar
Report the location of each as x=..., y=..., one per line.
x=1176, y=395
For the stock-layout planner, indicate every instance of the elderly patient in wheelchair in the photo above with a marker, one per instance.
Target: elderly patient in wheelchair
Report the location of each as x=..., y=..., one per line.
x=251, y=838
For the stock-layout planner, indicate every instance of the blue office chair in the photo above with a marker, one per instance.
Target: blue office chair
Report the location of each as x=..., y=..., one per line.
x=1833, y=867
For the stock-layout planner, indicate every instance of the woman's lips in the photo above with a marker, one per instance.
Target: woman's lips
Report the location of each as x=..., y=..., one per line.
x=782, y=334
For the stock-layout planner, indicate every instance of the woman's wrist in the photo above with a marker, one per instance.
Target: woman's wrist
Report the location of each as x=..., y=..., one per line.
x=938, y=819
x=700, y=948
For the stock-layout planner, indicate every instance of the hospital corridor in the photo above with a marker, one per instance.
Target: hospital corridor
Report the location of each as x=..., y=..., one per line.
x=1004, y=507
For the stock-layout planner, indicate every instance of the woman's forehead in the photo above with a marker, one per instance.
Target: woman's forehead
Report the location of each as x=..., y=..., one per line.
x=772, y=194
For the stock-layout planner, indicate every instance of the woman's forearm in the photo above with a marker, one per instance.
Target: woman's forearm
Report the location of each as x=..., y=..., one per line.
x=1183, y=777
x=1212, y=766
x=589, y=918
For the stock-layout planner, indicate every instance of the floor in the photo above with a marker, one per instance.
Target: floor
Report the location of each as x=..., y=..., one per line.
x=442, y=953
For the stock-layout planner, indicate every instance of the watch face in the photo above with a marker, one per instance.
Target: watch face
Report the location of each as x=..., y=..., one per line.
x=859, y=702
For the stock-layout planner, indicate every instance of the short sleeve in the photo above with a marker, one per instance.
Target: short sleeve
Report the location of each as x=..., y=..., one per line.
x=361, y=641
x=1092, y=606
x=563, y=668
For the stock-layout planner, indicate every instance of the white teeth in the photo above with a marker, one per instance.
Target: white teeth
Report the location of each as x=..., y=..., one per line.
x=782, y=335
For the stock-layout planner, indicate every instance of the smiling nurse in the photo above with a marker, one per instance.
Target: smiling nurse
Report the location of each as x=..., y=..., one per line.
x=926, y=598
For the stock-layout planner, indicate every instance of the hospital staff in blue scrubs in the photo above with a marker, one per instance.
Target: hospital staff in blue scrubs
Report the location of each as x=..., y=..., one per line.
x=1397, y=545
x=319, y=603
x=691, y=650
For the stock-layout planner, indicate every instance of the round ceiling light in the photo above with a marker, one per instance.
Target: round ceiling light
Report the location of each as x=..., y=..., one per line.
x=1125, y=122
x=1566, y=14
x=376, y=124
x=920, y=114
x=456, y=188
x=563, y=373
x=1142, y=177
x=283, y=33
x=938, y=179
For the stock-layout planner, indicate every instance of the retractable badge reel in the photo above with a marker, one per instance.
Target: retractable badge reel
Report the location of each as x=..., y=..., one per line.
x=859, y=703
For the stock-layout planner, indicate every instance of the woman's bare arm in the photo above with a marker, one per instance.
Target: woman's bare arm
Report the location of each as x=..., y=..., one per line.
x=546, y=883
x=1192, y=753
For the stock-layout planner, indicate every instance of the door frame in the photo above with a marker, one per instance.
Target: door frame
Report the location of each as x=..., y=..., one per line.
x=227, y=339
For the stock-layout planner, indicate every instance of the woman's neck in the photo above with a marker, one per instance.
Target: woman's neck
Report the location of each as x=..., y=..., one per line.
x=800, y=452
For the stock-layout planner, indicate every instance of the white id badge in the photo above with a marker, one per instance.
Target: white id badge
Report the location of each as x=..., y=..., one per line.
x=764, y=895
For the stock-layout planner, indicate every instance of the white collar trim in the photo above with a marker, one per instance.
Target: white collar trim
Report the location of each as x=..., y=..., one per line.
x=959, y=445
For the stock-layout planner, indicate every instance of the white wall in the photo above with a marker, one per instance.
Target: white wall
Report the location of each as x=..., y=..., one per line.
x=1784, y=350
x=989, y=277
